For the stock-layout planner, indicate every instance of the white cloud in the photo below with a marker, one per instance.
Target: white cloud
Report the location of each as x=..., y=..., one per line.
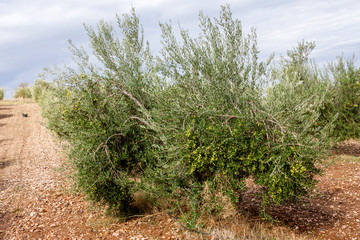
x=280, y=26
x=33, y=34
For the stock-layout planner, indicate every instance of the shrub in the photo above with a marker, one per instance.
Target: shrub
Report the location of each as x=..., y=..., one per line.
x=38, y=90
x=298, y=93
x=23, y=91
x=2, y=93
x=344, y=99
x=224, y=127
x=103, y=114
x=196, y=118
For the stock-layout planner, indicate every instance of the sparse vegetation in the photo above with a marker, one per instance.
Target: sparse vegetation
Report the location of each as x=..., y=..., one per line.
x=2, y=93
x=198, y=120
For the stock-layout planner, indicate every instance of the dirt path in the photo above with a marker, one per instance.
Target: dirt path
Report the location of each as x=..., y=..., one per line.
x=35, y=202
x=30, y=187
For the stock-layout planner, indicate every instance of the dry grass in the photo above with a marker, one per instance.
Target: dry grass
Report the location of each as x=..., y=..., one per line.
x=229, y=223
x=241, y=227
x=346, y=158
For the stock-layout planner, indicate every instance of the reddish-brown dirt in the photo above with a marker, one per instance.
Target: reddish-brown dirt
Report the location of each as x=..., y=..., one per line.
x=36, y=203
x=333, y=210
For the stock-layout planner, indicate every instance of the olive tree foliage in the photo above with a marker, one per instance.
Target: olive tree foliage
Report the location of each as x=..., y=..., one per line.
x=103, y=112
x=295, y=97
x=195, y=117
x=229, y=130
x=297, y=93
x=344, y=100
x=214, y=90
x=40, y=89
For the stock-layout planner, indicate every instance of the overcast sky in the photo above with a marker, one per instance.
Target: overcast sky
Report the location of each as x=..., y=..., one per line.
x=34, y=34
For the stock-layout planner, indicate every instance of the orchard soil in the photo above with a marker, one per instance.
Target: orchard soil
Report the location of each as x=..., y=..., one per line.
x=36, y=200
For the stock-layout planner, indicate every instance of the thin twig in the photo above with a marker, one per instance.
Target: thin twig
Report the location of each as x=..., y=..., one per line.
x=185, y=227
x=142, y=217
x=140, y=120
x=105, y=143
